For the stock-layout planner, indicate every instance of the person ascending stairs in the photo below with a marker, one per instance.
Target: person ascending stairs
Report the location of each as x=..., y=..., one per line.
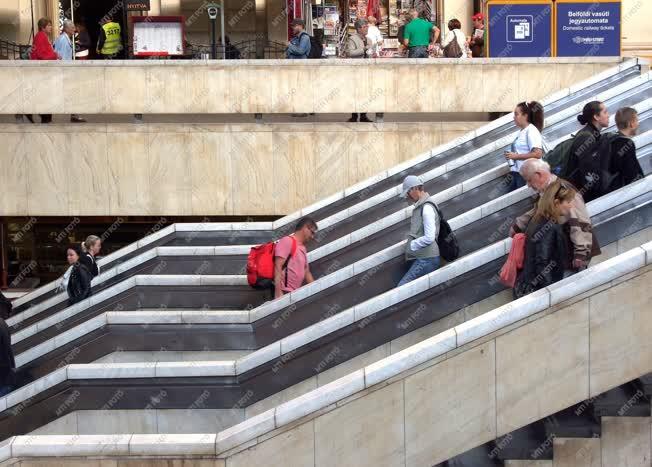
x=421, y=249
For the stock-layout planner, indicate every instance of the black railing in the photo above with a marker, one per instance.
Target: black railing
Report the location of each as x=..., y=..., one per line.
x=12, y=51
x=246, y=49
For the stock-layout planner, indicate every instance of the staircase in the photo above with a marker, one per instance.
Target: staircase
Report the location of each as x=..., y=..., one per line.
x=350, y=370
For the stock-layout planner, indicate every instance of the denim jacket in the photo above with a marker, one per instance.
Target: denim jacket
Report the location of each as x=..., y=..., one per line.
x=299, y=46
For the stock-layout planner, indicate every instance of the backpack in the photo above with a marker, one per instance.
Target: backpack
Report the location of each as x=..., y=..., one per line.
x=446, y=239
x=316, y=48
x=595, y=168
x=558, y=157
x=609, y=177
x=260, y=265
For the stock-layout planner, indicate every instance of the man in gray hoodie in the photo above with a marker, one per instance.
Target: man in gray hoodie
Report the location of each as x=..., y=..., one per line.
x=358, y=47
x=421, y=249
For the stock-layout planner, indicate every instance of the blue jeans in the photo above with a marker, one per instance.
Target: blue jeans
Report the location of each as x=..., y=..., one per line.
x=4, y=390
x=419, y=51
x=419, y=268
x=517, y=181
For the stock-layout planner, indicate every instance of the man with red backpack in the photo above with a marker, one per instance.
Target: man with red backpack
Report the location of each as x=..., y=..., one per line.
x=291, y=258
x=283, y=266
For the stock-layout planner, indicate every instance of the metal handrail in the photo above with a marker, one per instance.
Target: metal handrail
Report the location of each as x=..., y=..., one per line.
x=246, y=49
x=10, y=50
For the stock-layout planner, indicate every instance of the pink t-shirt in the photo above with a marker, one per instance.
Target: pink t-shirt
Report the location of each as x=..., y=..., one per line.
x=296, y=270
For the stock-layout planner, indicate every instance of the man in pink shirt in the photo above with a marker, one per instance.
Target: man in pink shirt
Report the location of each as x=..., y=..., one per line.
x=291, y=277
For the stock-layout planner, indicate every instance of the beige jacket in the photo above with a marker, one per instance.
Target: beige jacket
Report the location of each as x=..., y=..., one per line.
x=356, y=46
x=580, y=229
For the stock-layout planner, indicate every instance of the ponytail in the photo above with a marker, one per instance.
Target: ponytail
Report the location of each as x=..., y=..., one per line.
x=534, y=112
x=89, y=242
x=589, y=111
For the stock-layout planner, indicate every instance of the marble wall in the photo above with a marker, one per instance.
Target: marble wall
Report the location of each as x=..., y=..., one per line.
x=195, y=169
x=280, y=86
x=591, y=344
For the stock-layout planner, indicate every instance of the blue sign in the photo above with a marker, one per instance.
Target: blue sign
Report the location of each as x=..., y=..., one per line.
x=588, y=29
x=520, y=30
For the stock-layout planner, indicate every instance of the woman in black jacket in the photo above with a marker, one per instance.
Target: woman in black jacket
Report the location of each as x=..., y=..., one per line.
x=90, y=249
x=584, y=150
x=79, y=283
x=546, y=250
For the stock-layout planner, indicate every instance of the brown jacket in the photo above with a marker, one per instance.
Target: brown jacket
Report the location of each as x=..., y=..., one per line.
x=579, y=228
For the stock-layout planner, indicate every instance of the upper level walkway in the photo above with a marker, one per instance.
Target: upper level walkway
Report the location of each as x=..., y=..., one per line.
x=285, y=86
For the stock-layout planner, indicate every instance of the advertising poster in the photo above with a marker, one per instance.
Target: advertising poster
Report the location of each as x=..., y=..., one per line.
x=520, y=30
x=588, y=29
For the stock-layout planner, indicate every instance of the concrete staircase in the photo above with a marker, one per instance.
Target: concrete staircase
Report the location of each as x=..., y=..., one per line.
x=625, y=442
x=383, y=381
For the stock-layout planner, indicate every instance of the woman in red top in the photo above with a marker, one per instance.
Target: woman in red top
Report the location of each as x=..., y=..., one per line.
x=42, y=50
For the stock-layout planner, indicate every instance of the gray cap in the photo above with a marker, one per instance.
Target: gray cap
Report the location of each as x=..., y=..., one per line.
x=410, y=182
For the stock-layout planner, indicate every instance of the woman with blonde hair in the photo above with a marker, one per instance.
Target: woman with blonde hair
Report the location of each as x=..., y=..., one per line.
x=546, y=252
x=90, y=249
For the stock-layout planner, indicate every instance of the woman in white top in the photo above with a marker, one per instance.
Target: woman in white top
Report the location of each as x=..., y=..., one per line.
x=374, y=37
x=455, y=33
x=528, y=116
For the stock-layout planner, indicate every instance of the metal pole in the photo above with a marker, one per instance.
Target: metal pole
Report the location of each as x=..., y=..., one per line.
x=213, y=39
x=222, y=28
x=32, y=11
x=3, y=261
x=125, y=36
x=72, y=18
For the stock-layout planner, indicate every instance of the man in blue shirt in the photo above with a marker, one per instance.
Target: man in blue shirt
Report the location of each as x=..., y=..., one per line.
x=63, y=44
x=63, y=47
x=299, y=46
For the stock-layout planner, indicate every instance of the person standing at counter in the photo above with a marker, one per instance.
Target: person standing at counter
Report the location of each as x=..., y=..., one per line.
x=299, y=45
x=479, y=36
x=358, y=46
x=374, y=38
x=416, y=36
x=83, y=41
x=63, y=46
x=42, y=50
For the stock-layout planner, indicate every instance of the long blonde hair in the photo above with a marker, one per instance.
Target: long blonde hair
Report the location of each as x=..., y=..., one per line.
x=557, y=191
x=87, y=244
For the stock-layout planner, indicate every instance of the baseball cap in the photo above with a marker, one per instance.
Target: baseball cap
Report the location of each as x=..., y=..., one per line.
x=410, y=182
x=298, y=21
x=478, y=16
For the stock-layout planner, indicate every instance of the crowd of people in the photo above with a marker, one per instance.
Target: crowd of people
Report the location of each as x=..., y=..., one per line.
x=553, y=240
x=418, y=37
x=557, y=233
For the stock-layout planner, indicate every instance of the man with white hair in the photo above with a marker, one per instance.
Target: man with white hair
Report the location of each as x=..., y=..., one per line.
x=578, y=227
x=63, y=46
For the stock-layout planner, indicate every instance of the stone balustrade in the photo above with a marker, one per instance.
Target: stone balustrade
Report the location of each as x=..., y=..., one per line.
x=283, y=86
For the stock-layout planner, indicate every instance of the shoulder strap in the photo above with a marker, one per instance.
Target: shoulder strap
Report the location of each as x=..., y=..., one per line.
x=434, y=206
x=287, y=260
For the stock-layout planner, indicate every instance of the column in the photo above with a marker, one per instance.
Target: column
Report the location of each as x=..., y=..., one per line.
x=170, y=7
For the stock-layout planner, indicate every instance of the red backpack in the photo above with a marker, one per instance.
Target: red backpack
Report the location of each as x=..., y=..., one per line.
x=260, y=265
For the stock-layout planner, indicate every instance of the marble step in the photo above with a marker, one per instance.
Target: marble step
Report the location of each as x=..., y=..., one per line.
x=325, y=223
